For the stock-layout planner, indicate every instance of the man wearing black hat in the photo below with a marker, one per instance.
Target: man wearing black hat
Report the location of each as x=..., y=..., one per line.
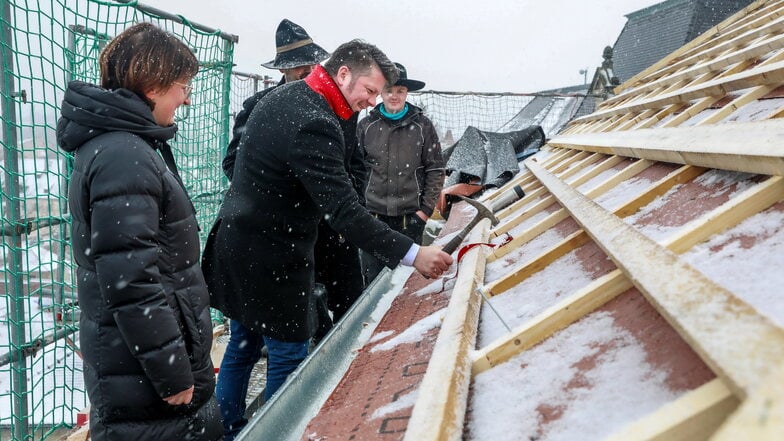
x=296, y=54
x=407, y=168
x=290, y=174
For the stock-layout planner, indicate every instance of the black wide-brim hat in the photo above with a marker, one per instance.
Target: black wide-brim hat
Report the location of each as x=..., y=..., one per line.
x=403, y=80
x=294, y=48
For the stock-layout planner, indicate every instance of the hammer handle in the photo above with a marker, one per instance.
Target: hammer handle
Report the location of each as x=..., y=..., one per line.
x=450, y=247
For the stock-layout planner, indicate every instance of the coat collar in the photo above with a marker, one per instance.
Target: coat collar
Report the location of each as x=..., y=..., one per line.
x=322, y=83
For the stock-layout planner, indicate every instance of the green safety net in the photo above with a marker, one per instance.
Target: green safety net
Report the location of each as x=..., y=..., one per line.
x=243, y=86
x=45, y=44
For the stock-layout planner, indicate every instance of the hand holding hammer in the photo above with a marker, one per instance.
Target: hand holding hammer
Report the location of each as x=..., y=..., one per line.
x=435, y=261
x=482, y=212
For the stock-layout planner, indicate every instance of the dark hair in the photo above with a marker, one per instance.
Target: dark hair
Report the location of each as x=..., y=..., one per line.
x=145, y=57
x=360, y=57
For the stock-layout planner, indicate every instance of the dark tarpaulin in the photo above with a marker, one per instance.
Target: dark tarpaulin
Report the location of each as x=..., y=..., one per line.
x=490, y=159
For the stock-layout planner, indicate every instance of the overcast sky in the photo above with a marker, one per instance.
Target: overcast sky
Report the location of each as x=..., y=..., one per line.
x=452, y=45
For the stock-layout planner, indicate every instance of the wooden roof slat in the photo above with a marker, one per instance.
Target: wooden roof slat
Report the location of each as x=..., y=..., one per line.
x=439, y=411
x=736, y=104
x=523, y=237
x=529, y=196
x=538, y=263
x=657, y=116
x=610, y=162
x=557, y=216
x=752, y=147
x=739, y=344
x=581, y=165
x=691, y=111
x=621, y=121
x=553, y=319
x=632, y=169
x=761, y=416
x=563, y=165
x=522, y=217
x=749, y=202
x=695, y=416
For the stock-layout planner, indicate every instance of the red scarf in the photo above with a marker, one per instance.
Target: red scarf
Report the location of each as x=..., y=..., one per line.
x=323, y=84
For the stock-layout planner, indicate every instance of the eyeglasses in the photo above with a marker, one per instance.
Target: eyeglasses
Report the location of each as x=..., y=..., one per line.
x=187, y=88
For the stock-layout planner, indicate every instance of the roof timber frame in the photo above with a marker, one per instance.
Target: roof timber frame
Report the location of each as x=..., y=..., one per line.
x=744, y=53
x=724, y=330
x=769, y=73
x=749, y=17
x=608, y=286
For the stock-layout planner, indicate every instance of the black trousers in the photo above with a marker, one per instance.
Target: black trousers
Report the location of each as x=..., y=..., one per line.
x=409, y=224
x=338, y=269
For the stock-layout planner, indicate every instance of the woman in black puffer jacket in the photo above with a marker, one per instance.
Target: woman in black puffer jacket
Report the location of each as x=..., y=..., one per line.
x=145, y=324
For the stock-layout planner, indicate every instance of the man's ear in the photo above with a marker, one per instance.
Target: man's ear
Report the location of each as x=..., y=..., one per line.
x=343, y=76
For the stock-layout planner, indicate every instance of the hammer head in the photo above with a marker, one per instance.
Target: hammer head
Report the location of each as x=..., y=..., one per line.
x=483, y=211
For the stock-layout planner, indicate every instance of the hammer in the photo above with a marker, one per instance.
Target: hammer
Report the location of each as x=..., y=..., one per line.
x=482, y=213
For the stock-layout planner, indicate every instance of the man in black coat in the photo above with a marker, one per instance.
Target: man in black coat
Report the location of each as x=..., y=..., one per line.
x=338, y=268
x=293, y=174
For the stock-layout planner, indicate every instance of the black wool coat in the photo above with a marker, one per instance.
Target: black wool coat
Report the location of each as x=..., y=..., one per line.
x=354, y=160
x=290, y=173
x=145, y=326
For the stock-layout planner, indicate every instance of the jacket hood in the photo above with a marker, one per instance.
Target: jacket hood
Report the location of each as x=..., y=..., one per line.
x=412, y=112
x=89, y=111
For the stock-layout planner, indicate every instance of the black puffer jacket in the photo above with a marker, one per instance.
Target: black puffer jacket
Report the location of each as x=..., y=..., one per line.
x=145, y=327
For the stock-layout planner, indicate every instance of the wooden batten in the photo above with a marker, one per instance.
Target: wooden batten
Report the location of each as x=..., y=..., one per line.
x=555, y=318
x=439, y=411
x=757, y=76
x=761, y=417
x=693, y=417
x=751, y=147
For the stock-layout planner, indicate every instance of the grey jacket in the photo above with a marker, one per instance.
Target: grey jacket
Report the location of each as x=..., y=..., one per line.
x=406, y=165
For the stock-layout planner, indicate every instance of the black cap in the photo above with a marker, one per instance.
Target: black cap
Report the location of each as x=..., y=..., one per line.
x=405, y=81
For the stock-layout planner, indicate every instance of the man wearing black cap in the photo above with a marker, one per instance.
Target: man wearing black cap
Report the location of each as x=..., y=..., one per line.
x=290, y=174
x=407, y=168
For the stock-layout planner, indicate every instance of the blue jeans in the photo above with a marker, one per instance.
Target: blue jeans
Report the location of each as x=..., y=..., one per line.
x=242, y=353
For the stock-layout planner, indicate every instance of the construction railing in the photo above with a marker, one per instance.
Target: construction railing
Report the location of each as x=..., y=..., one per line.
x=44, y=45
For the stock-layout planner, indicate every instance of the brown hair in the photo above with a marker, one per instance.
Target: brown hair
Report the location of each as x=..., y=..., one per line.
x=360, y=57
x=144, y=57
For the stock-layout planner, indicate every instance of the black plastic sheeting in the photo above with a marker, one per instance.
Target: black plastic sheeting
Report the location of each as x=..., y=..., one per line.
x=490, y=159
